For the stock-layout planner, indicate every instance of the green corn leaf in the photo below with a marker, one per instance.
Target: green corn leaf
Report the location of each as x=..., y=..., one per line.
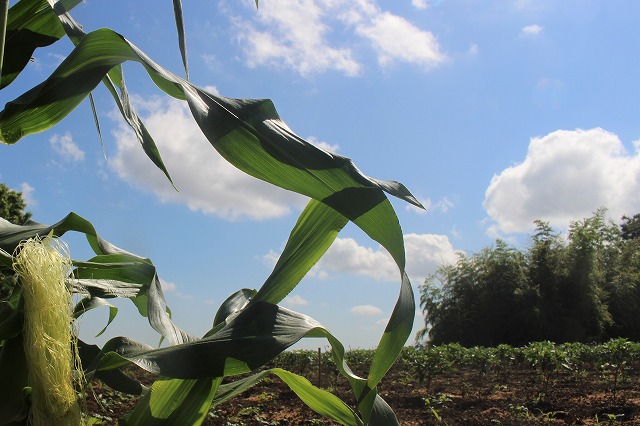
x=13, y=370
x=174, y=402
x=249, y=134
x=11, y=320
x=89, y=303
x=233, y=304
x=319, y=400
x=182, y=40
x=247, y=340
x=395, y=334
x=145, y=287
x=315, y=230
x=115, y=378
x=30, y=25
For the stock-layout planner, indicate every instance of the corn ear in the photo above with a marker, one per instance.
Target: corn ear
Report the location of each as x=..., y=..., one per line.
x=43, y=265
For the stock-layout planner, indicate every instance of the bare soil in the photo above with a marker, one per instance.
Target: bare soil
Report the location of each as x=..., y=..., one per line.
x=464, y=397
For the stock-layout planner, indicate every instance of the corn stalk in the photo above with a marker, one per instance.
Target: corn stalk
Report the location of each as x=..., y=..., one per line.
x=250, y=328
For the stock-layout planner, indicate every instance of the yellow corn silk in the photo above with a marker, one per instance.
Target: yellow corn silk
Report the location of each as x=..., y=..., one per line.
x=42, y=266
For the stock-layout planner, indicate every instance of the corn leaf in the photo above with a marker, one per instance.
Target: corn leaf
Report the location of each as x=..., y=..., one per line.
x=233, y=304
x=11, y=320
x=319, y=400
x=115, y=378
x=315, y=230
x=135, y=275
x=173, y=402
x=247, y=332
x=182, y=40
x=89, y=303
x=30, y=25
x=13, y=370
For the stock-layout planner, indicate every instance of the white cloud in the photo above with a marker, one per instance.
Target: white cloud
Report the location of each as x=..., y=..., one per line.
x=427, y=252
x=167, y=286
x=366, y=310
x=297, y=34
x=565, y=176
x=64, y=146
x=396, y=39
x=207, y=183
x=531, y=30
x=27, y=194
x=294, y=36
x=473, y=51
x=346, y=255
x=424, y=253
x=420, y=4
x=295, y=300
x=323, y=145
x=443, y=205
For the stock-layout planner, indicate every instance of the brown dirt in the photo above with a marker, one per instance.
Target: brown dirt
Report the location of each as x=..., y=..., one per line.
x=455, y=398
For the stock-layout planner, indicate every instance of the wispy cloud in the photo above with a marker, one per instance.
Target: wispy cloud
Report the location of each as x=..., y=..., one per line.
x=366, y=310
x=531, y=30
x=218, y=188
x=167, y=286
x=65, y=147
x=27, y=194
x=565, y=176
x=295, y=300
x=300, y=35
x=443, y=205
x=420, y=4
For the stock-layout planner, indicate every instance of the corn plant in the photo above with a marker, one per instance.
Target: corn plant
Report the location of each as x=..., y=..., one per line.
x=426, y=363
x=546, y=358
x=505, y=357
x=250, y=328
x=614, y=356
x=481, y=359
x=578, y=358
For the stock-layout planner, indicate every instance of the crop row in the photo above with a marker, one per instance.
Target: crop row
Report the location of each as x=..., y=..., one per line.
x=616, y=359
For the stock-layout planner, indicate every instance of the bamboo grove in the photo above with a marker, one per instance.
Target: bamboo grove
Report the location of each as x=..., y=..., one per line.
x=584, y=287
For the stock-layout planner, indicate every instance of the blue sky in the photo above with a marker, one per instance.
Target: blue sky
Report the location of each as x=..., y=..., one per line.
x=493, y=113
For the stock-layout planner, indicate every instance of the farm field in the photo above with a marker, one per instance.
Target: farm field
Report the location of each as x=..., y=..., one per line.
x=542, y=383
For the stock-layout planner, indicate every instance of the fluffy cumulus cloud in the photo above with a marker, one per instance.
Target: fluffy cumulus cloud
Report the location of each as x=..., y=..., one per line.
x=425, y=253
x=65, y=147
x=565, y=176
x=206, y=182
x=297, y=34
x=293, y=34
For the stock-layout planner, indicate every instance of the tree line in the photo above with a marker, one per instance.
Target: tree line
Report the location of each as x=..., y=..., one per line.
x=12, y=207
x=582, y=287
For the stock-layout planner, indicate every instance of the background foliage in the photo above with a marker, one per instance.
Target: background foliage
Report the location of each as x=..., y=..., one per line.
x=584, y=288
